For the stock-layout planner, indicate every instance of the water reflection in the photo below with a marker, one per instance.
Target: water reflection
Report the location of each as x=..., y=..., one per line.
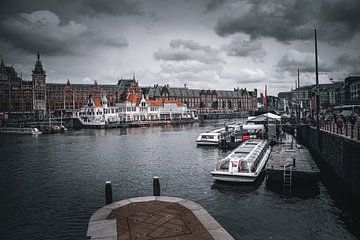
x=302, y=192
x=50, y=185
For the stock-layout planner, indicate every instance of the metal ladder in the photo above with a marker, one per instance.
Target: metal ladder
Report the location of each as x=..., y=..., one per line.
x=287, y=177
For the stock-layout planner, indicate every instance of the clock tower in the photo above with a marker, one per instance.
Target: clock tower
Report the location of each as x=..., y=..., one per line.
x=39, y=89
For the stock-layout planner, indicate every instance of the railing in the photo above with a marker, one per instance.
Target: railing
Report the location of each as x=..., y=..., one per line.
x=347, y=130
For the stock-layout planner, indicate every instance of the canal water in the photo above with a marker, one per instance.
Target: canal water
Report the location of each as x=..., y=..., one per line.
x=50, y=185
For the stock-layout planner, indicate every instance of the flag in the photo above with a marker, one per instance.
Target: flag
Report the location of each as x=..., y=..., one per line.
x=265, y=102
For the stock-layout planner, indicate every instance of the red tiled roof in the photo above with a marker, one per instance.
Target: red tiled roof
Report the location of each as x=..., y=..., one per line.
x=155, y=103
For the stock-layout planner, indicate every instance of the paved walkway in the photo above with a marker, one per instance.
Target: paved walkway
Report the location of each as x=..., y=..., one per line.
x=154, y=218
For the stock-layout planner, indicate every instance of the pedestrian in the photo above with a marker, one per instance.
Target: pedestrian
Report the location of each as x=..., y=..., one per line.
x=352, y=119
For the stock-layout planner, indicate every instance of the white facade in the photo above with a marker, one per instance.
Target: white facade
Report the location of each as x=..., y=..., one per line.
x=149, y=110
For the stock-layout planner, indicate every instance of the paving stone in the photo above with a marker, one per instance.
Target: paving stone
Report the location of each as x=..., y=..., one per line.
x=155, y=218
x=142, y=199
x=117, y=204
x=168, y=199
x=206, y=219
x=102, y=228
x=220, y=234
x=190, y=205
x=100, y=214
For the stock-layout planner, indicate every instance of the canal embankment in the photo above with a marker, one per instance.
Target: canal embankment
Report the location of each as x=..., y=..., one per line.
x=340, y=153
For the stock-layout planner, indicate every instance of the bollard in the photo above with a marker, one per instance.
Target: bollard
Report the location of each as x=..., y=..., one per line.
x=108, y=193
x=352, y=130
x=294, y=162
x=358, y=131
x=156, y=186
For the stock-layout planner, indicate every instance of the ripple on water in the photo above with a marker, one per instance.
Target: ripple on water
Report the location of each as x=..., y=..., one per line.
x=51, y=185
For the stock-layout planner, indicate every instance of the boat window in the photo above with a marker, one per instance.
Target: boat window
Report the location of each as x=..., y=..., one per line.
x=223, y=164
x=243, y=152
x=244, y=167
x=207, y=137
x=251, y=143
x=240, y=155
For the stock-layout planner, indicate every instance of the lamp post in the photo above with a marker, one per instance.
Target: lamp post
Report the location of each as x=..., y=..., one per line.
x=317, y=93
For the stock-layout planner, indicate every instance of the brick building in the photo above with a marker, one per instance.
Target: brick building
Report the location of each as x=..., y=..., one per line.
x=39, y=98
x=236, y=100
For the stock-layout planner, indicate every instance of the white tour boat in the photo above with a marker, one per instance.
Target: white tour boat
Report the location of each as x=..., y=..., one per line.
x=211, y=138
x=245, y=163
x=21, y=131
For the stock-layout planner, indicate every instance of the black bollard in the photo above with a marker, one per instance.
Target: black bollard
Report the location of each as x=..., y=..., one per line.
x=352, y=130
x=108, y=193
x=294, y=162
x=156, y=186
x=358, y=131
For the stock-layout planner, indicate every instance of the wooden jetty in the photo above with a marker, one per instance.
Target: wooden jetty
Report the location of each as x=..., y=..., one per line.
x=155, y=217
x=291, y=164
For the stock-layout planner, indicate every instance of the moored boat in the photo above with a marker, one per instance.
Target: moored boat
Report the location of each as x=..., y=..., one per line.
x=211, y=138
x=245, y=163
x=21, y=131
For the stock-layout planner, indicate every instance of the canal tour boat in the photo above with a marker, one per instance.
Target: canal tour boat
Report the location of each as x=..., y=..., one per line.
x=211, y=138
x=20, y=131
x=245, y=163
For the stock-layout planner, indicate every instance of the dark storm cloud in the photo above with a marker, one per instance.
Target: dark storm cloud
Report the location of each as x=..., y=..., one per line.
x=239, y=47
x=285, y=21
x=70, y=9
x=43, y=31
x=40, y=30
x=183, y=50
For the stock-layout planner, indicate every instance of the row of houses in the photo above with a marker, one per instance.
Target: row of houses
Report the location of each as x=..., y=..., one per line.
x=18, y=96
x=346, y=92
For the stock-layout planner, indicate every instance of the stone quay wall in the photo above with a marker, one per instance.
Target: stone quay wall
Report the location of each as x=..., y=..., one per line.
x=341, y=153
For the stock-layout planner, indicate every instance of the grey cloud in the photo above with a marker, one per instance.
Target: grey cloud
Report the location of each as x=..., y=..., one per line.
x=242, y=48
x=349, y=63
x=214, y=4
x=40, y=31
x=69, y=9
x=43, y=31
x=107, y=41
x=246, y=76
x=294, y=60
x=285, y=21
x=111, y=7
x=184, y=50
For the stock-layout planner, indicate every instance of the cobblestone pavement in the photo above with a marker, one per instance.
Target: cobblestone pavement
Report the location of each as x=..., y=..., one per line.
x=157, y=220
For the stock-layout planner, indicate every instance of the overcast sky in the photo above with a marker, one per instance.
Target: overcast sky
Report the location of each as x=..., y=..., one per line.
x=207, y=44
